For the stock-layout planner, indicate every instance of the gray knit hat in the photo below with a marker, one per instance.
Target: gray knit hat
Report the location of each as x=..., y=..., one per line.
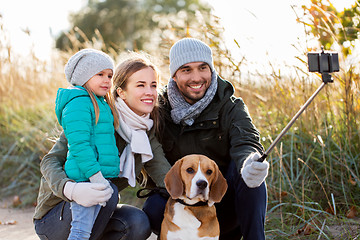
x=189, y=50
x=84, y=64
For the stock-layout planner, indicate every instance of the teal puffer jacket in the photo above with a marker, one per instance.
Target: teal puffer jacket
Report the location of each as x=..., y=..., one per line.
x=92, y=148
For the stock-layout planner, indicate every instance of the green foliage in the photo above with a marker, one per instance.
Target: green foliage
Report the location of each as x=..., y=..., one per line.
x=24, y=140
x=127, y=24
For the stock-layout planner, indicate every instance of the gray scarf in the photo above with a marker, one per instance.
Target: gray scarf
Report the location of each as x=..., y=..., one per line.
x=182, y=111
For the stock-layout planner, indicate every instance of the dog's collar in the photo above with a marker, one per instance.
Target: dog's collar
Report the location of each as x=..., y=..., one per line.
x=198, y=204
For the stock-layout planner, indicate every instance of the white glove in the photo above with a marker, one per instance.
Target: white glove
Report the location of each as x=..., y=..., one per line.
x=87, y=194
x=254, y=172
x=99, y=178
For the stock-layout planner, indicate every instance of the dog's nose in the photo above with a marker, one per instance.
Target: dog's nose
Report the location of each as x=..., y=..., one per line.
x=201, y=184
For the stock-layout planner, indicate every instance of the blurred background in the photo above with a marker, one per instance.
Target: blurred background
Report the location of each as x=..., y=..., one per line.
x=260, y=46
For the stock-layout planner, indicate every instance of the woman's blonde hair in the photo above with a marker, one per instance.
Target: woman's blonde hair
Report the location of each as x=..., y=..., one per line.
x=128, y=67
x=110, y=101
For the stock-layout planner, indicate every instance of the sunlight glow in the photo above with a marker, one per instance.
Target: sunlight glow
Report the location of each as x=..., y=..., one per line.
x=265, y=30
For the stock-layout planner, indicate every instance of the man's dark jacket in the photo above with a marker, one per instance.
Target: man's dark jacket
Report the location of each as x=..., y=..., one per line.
x=224, y=130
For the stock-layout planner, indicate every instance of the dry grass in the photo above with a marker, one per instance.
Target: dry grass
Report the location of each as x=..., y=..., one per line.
x=314, y=179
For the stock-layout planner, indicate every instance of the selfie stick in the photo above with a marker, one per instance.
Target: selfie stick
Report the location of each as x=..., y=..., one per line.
x=325, y=63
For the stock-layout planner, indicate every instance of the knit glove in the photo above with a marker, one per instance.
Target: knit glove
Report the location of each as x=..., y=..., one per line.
x=99, y=178
x=87, y=194
x=254, y=172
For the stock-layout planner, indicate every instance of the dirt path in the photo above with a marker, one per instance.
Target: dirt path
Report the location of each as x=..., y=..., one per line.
x=22, y=227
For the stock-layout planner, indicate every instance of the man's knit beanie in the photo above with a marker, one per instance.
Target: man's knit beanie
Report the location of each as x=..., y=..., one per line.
x=85, y=64
x=189, y=50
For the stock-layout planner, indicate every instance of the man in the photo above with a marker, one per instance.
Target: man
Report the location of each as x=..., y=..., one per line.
x=201, y=116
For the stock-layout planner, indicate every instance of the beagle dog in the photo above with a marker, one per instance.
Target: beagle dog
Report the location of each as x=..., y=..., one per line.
x=194, y=183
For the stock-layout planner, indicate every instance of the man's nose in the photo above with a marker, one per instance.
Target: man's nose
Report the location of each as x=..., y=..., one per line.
x=196, y=76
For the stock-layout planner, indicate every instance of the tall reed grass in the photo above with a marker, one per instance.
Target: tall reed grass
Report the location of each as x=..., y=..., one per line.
x=314, y=178
x=27, y=89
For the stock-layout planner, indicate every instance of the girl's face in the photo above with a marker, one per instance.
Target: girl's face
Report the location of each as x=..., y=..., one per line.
x=101, y=83
x=140, y=91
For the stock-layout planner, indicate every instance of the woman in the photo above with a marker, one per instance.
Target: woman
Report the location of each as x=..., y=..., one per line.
x=134, y=84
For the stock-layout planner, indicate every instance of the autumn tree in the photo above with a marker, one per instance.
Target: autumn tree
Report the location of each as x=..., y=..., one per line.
x=330, y=25
x=130, y=24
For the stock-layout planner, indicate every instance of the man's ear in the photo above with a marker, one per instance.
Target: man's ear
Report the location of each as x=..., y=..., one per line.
x=174, y=77
x=175, y=80
x=121, y=93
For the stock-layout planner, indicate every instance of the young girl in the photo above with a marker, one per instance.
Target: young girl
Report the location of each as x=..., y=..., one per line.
x=88, y=117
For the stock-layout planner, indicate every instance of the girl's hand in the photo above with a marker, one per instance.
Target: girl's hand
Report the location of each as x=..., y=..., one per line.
x=87, y=194
x=99, y=178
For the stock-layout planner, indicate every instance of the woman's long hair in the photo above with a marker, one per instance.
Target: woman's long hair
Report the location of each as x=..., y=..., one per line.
x=122, y=73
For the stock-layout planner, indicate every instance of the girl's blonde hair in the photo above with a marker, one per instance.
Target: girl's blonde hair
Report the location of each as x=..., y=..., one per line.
x=128, y=67
x=110, y=101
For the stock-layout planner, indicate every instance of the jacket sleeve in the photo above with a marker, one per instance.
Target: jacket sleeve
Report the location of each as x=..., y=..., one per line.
x=51, y=167
x=244, y=137
x=159, y=165
x=77, y=122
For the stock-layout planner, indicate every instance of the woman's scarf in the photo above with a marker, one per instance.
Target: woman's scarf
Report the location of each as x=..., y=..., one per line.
x=182, y=111
x=133, y=130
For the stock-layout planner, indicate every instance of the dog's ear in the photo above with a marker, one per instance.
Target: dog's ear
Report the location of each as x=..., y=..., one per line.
x=173, y=182
x=218, y=186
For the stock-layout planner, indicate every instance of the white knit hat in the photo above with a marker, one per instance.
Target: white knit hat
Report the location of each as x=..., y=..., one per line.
x=84, y=64
x=189, y=50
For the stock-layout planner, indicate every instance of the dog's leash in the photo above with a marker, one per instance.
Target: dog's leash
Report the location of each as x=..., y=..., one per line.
x=164, y=193
x=198, y=204
x=150, y=191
